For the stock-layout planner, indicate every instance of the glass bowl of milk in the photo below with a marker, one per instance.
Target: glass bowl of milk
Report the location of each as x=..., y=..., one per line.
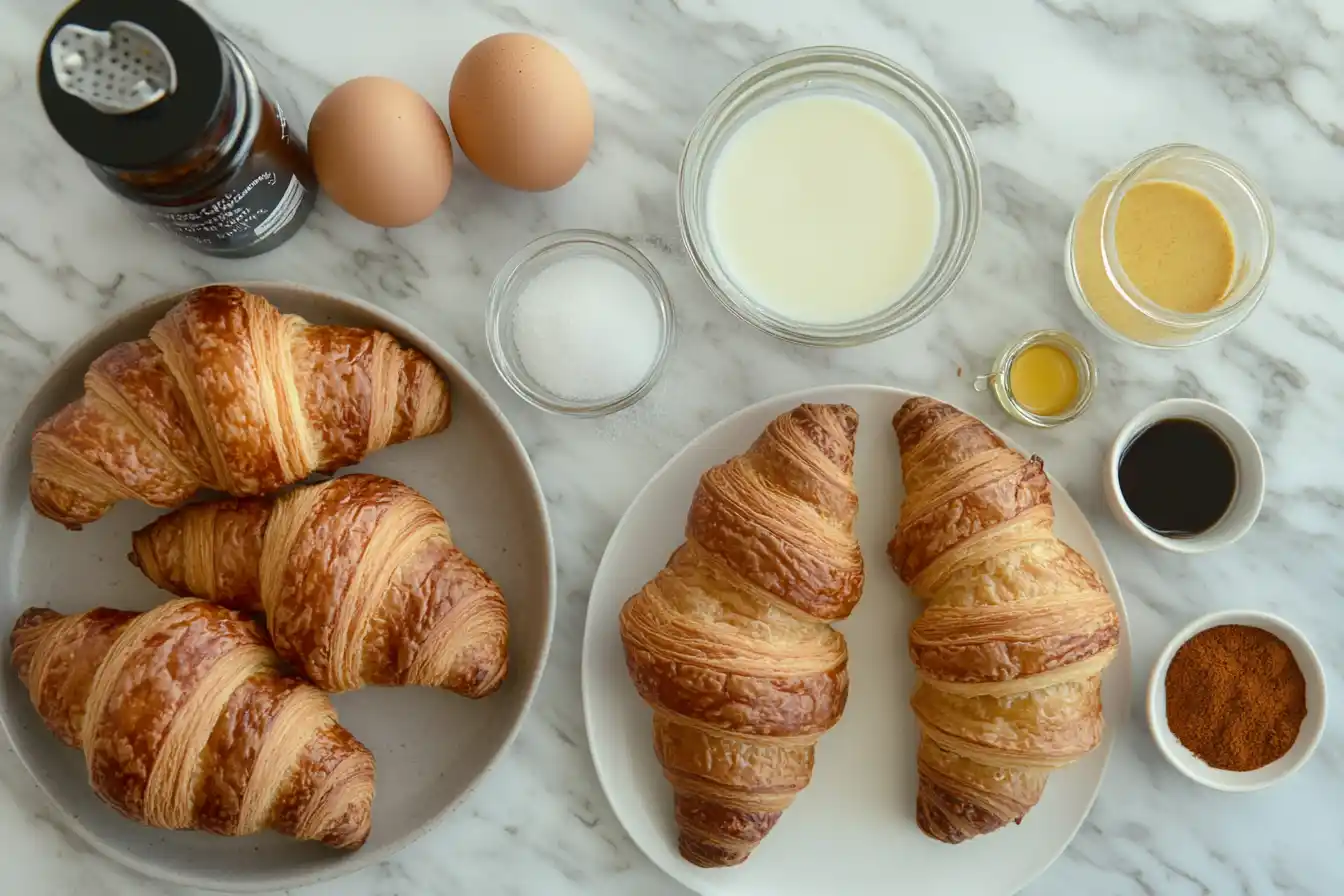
x=829, y=196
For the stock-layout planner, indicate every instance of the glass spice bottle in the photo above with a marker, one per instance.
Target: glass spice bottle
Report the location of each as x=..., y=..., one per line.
x=170, y=115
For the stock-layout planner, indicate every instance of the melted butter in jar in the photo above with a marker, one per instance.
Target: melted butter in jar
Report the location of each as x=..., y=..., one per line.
x=1044, y=380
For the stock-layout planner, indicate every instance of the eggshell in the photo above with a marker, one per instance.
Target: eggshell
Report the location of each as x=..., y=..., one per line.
x=521, y=113
x=381, y=152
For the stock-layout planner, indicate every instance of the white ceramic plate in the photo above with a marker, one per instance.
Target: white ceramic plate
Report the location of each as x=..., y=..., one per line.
x=431, y=747
x=853, y=829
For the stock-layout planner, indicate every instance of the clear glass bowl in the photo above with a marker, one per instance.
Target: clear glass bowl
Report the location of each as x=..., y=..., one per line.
x=875, y=80
x=525, y=264
x=1105, y=294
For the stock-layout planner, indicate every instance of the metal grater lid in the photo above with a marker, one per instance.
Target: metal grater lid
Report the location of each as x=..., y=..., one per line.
x=132, y=84
x=118, y=71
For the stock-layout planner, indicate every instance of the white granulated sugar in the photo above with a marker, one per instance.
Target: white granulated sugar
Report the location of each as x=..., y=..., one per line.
x=586, y=328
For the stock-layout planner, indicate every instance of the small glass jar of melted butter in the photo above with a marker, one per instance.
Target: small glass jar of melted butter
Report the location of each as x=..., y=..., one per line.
x=1170, y=250
x=1043, y=379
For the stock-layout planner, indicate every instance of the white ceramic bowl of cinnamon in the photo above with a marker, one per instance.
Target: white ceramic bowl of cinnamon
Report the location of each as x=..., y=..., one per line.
x=1303, y=744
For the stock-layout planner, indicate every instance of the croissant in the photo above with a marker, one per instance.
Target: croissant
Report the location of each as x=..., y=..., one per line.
x=229, y=394
x=358, y=578
x=730, y=643
x=186, y=722
x=1016, y=629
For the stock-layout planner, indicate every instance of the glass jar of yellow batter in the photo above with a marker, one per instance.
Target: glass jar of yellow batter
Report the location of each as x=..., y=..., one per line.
x=1170, y=250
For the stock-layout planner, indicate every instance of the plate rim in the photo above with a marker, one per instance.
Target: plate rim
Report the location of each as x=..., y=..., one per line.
x=460, y=377
x=800, y=396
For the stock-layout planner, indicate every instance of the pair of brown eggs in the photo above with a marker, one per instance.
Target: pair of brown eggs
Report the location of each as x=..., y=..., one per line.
x=518, y=108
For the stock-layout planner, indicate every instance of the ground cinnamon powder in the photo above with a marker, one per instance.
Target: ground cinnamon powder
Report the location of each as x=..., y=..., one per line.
x=1235, y=697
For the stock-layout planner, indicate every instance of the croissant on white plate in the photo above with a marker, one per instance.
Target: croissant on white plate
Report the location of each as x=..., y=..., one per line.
x=731, y=643
x=187, y=721
x=227, y=393
x=1016, y=629
x=358, y=577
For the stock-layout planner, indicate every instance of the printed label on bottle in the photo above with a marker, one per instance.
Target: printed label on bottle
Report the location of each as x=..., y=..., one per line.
x=283, y=213
x=241, y=216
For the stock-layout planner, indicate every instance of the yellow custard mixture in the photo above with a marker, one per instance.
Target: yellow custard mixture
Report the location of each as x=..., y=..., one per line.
x=1171, y=241
x=1175, y=246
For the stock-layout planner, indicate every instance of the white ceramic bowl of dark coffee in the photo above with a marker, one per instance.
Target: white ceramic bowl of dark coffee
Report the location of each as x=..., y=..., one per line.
x=1250, y=490
x=431, y=748
x=1308, y=736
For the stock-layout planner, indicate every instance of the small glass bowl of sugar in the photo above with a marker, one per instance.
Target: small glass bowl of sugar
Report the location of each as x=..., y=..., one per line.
x=579, y=323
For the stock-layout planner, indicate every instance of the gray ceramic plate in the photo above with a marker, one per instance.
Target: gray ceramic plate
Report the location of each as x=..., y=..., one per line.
x=431, y=747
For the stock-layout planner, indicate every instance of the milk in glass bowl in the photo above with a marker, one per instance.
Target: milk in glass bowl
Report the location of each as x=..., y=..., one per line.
x=829, y=197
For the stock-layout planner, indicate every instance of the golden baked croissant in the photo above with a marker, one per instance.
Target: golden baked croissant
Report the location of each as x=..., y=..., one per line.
x=358, y=578
x=227, y=393
x=730, y=643
x=1016, y=630
x=186, y=722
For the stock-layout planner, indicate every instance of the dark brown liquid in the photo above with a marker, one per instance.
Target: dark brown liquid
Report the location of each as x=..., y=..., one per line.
x=1178, y=477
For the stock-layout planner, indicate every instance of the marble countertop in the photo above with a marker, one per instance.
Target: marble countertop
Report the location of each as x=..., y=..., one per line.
x=1054, y=92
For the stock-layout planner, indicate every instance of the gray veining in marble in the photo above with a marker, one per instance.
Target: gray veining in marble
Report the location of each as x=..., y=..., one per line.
x=1055, y=92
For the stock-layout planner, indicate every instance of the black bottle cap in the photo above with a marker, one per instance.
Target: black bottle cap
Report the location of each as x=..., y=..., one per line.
x=159, y=134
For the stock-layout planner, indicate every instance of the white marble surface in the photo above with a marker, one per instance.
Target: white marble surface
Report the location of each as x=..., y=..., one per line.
x=1053, y=92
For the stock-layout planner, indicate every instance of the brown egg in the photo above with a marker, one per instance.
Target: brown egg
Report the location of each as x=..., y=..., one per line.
x=381, y=152
x=521, y=112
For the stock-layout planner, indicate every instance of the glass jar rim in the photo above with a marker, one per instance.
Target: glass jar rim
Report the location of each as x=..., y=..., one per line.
x=1243, y=299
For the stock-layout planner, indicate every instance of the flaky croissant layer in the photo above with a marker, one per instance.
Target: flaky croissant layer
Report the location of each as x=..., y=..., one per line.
x=730, y=643
x=187, y=722
x=227, y=393
x=358, y=577
x=1016, y=628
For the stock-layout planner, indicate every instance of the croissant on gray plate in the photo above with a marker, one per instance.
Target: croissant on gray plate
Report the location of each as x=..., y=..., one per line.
x=187, y=721
x=358, y=577
x=227, y=393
